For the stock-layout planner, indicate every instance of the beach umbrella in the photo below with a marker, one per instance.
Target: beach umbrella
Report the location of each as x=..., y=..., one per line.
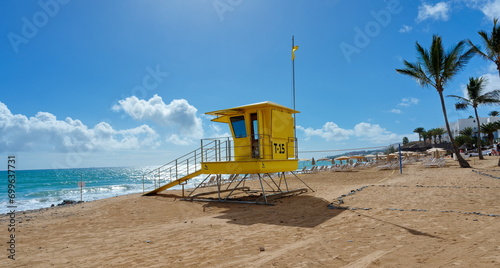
x=340, y=158
x=371, y=156
x=313, y=162
x=436, y=151
x=358, y=158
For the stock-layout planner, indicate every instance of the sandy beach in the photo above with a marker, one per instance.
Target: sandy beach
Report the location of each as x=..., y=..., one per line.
x=425, y=217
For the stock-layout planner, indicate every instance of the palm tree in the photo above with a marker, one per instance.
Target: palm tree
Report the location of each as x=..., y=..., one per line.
x=419, y=130
x=439, y=132
x=463, y=140
x=436, y=133
x=425, y=135
x=432, y=135
x=465, y=137
x=476, y=97
x=489, y=129
x=467, y=131
x=436, y=68
x=492, y=44
x=493, y=113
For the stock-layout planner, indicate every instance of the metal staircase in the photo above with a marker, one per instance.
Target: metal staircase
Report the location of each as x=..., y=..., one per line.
x=186, y=167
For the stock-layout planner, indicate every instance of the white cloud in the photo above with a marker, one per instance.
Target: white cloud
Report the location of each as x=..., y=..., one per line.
x=373, y=133
x=405, y=102
x=175, y=139
x=178, y=116
x=330, y=132
x=492, y=81
x=408, y=101
x=405, y=29
x=216, y=131
x=491, y=9
x=44, y=132
x=378, y=135
x=437, y=12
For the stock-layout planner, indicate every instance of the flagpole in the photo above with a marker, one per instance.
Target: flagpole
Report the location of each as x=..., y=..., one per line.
x=293, y=77
x=293, y=100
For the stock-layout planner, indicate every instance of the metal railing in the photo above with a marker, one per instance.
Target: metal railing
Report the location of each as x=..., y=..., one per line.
x=211, y=150
x=216, y=150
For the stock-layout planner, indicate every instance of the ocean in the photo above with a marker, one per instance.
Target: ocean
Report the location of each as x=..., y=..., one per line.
x=36, y=189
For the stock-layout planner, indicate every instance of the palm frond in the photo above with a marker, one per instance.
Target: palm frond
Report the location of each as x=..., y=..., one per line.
x=435, y=66
x=461, y=105
x=475, y=88
x=459, y=98
x=422, y=54
x=489, y=45
x=477, y=51
x=492, y=44
x=415, y=71
x=495, y=37
x=490, y=98
x=455, y=60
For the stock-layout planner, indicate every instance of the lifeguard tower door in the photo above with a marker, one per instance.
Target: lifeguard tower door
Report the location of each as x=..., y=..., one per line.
x=254, y=128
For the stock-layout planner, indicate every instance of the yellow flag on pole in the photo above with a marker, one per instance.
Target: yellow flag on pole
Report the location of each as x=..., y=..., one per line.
x=293, y=51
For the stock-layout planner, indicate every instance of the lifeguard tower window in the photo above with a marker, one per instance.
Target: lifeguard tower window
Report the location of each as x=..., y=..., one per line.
x=254, y=131
x=255, y=127
x=238, y=126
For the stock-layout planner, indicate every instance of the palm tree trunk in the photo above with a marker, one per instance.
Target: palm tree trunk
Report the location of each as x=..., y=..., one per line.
x=461, y=161
x=478, y=140
x=498, y=68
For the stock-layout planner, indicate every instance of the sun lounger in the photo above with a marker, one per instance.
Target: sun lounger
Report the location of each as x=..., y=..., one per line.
x=211, y=182
x=230, y=179
x=342, y=168
x=300, y=171
x=389, y=166
x=306, y=170
x=434, y=162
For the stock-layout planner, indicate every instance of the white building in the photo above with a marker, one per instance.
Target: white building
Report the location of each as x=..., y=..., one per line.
x=461, y=124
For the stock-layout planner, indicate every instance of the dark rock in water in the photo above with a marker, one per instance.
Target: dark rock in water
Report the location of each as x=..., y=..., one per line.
x=69, y=202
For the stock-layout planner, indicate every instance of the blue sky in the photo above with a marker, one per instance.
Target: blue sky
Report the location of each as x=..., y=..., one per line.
x=127, y=83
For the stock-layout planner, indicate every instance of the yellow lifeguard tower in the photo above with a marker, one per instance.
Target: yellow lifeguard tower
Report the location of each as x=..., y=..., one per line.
x=263, y=143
